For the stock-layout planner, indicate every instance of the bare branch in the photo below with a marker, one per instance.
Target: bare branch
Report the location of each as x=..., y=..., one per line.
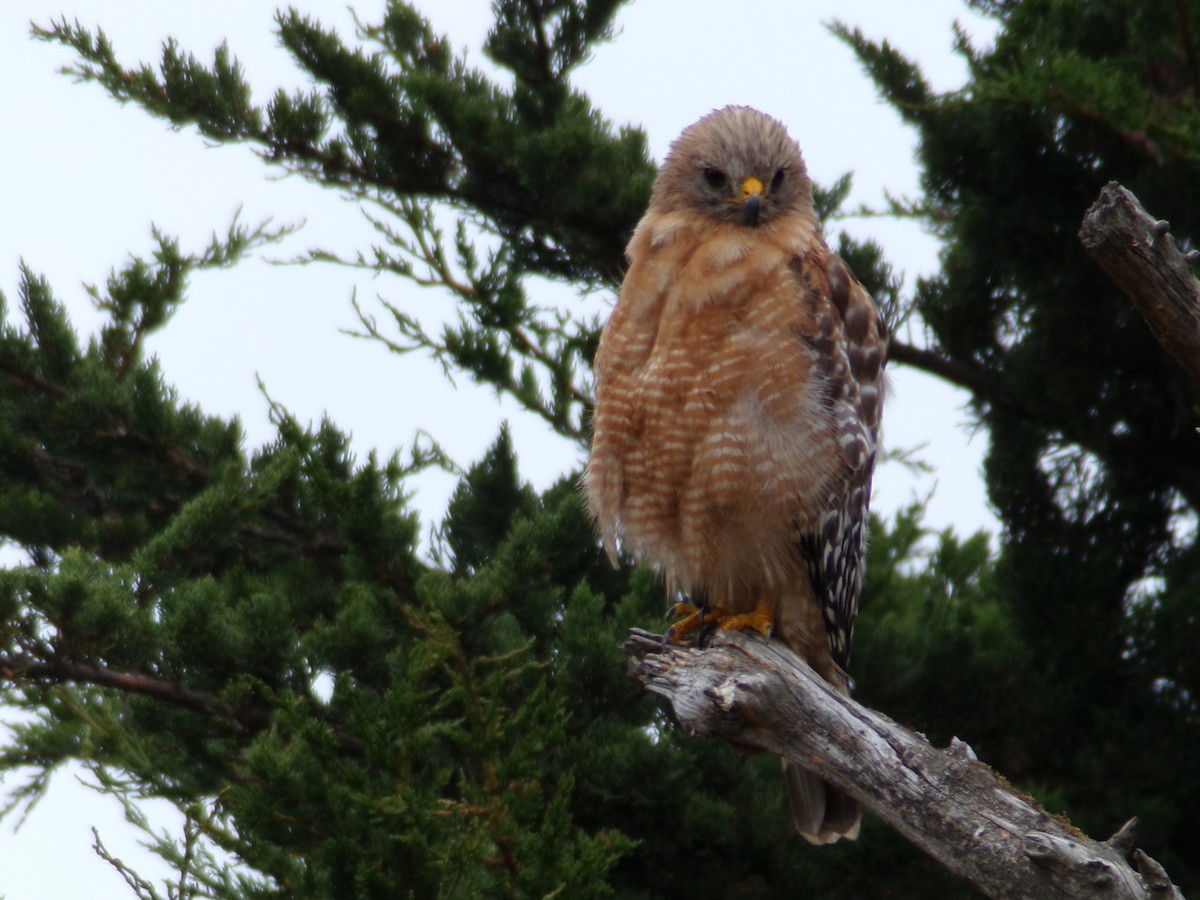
x=1138, y=252
x=758, y=694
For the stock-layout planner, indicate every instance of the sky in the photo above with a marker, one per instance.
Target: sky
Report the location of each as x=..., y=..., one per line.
x=85, y=178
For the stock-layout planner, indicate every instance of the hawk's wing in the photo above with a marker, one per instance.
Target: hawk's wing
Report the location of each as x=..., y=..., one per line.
x=850, y=346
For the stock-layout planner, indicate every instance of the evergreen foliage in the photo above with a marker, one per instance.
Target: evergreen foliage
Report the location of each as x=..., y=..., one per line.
x=254, y=637
x=1094, y=457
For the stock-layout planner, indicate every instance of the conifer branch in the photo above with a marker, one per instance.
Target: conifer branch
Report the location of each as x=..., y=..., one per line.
x=1139, y=254
x=238, y=721
x=16, y=667
x=26, y=380
x=986, y=388
x=990, y=390
x=759, y=695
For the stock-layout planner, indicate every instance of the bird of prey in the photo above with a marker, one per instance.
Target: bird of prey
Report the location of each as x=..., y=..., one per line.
x=739, y=386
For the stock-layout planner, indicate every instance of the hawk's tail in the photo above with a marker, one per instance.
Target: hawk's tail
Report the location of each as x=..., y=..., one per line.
x=822, y=813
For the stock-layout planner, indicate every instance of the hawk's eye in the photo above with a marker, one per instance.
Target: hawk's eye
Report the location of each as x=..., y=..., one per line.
x=777, y=180
x=715, y=178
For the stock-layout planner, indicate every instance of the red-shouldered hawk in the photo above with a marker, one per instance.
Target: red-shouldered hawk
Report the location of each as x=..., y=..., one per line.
x=739, y=384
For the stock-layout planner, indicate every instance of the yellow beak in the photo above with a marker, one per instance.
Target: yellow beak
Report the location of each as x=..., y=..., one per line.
x=752, y=190
x=750, y=187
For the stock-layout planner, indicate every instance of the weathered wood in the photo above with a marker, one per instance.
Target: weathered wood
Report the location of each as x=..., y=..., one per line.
x=1139, y=254
x=758, y=694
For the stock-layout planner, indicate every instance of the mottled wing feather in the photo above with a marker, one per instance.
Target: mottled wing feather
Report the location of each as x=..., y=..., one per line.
x=851, y=345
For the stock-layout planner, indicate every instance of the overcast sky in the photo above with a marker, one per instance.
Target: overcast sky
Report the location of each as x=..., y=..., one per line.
x=85, y=178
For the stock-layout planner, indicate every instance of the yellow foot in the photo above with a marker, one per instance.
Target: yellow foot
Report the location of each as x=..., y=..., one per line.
x=759, y=619
x=705, y=620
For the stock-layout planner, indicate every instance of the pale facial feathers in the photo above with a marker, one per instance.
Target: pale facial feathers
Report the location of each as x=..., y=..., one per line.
x=709, y=163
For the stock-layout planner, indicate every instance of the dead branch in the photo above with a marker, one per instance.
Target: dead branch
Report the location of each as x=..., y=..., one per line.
x=758, y=694
x=1139, y=254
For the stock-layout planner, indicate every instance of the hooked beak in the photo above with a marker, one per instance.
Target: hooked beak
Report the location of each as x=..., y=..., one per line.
x=752, y=190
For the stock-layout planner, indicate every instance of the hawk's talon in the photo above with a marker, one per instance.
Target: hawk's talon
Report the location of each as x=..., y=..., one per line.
x=680, y=609
x=692, y=620
x=706, y=619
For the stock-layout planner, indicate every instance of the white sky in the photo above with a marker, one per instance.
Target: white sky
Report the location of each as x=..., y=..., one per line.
x=85, y=178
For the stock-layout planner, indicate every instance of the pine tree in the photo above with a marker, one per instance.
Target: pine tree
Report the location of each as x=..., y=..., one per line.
x=254, y=636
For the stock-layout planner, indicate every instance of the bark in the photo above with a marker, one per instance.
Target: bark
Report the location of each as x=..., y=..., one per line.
x=1139, y=254
x=758, y=694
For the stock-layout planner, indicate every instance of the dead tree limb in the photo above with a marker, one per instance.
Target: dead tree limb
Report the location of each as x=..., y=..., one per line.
x=758, y=694
x=1139, y=254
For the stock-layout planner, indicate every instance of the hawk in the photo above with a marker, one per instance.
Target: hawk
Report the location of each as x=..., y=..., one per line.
x=739, y=385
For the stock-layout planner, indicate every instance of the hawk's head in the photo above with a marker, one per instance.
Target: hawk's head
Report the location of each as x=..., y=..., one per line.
x=736, y=165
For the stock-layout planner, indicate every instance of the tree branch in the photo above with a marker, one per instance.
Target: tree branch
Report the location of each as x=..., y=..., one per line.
x=238, y=722
x=758, y=694
x=1138, y=253
x=982, y=384
x=1123, y=449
